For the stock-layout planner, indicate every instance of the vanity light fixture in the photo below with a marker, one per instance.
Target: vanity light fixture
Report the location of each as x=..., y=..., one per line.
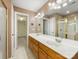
x=58, y=7
x=70, y=0
x=65, y=4
x=57, y=4
x=39, y=14
x=68, y=12
x=49, y=4
x=59, y=1
x=53, y=4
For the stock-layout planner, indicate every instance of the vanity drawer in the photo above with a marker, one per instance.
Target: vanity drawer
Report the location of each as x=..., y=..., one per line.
x=42, y=54
x=41, y=46
x=35, y=51
x=51, y=53
x=33, y=40
x=34, y=47
x=54, y=55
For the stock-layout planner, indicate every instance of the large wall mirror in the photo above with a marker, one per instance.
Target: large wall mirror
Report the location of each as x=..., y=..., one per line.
x=62, y=22
x=62, y=26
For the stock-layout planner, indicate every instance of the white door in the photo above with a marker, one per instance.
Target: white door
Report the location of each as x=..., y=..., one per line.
x=2, y=32
x=52, y=25
x=46, y=27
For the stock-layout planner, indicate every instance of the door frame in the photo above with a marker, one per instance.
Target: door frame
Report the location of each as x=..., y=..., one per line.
x=6, y=40
x=20, y=13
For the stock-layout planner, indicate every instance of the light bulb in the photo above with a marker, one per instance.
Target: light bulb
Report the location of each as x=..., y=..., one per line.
x=49, y=4
x=39, y=14
x=53, y=4
x=65, y=4
x=59, y=7
x=59, y=1
x=68, y=12
x=70, y=0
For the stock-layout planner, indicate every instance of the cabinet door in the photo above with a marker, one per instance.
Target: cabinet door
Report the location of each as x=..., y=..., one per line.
x=42, y=54
x=35, y=50
x=50, y=57
x=30, y=43
x=33, y=47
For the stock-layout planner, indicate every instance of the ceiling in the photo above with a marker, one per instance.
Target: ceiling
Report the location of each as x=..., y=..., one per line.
x=33, y=5
x=72, y=7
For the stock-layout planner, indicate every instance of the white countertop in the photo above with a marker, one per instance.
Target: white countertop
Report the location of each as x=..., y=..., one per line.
x=67, y=48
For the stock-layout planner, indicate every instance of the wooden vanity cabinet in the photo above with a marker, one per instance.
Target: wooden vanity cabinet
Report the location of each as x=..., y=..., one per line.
x=43, y=52
x=35, y=52
x=50, y=57
x=33, y=45
x=51, y=53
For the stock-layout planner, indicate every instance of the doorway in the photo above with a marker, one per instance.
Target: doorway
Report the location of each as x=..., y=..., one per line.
x=21, y=30
x=61, y=28
x=3, y=31
x=45, y=27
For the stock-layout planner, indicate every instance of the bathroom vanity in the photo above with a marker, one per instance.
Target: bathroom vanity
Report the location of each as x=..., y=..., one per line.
x=48, y=47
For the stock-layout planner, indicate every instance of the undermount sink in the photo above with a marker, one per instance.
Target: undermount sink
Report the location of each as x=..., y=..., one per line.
x=58, y=40
x=54, y=43
x=38, y=34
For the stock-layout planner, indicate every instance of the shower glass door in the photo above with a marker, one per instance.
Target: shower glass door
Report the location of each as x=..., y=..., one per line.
x=61, y=28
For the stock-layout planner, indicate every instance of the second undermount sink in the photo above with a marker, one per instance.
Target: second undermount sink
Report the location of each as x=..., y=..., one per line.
x=38, y=34
x=50, y=41
x=53, y=43
x=58, y=40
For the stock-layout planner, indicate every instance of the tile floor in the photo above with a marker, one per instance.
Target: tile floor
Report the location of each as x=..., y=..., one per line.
x=22, y=43
x=0, y=55
x=22, y=51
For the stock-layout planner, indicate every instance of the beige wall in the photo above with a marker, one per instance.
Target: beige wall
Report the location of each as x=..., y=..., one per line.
x=22, y=28
x=31, y=18
x=39, y=25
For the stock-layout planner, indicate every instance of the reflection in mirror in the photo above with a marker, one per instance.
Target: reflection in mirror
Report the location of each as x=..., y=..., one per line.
x=62, y=22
